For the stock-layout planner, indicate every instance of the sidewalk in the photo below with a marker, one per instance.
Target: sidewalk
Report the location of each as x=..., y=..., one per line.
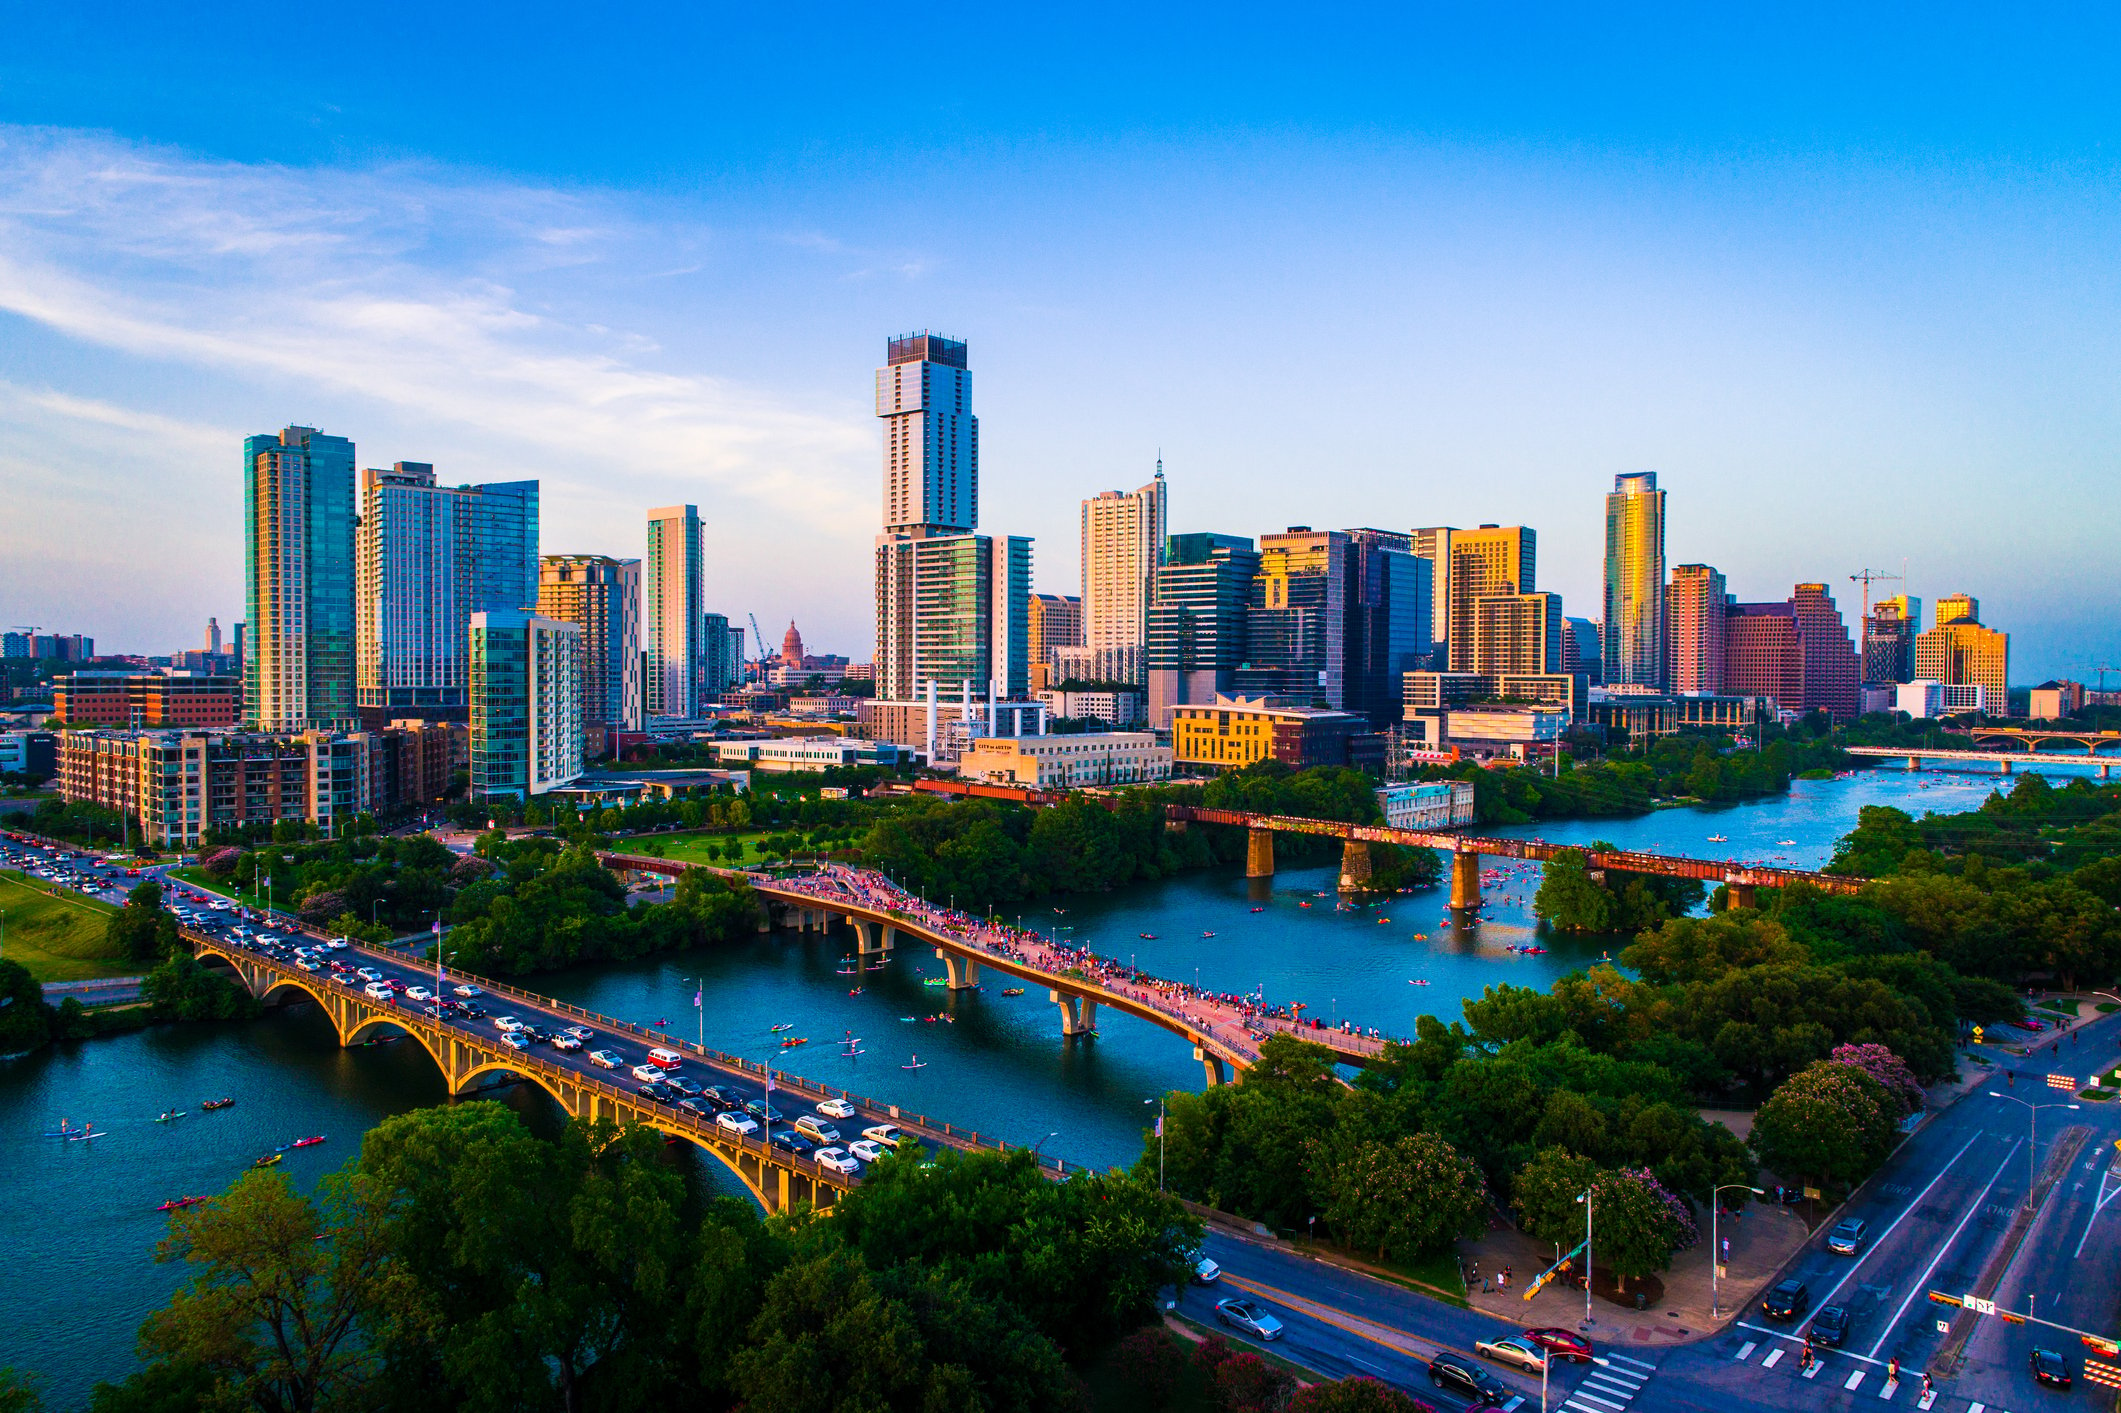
x=1762, y=1238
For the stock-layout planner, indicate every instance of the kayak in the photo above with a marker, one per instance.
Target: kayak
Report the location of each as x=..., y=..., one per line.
x=1012, y=990
x=217, y=1103
x=178, y=1203
x=307, y=1142
x=268, y=1160
x=170, y=1116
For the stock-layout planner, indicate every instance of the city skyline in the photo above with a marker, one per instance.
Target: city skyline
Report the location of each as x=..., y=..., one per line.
x=1878, y=306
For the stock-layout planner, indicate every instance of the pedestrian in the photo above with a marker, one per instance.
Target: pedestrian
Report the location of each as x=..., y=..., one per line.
x=1892, y=1371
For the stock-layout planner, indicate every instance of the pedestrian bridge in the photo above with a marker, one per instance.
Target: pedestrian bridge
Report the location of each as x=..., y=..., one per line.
x=466, y=1057
x=2004, y=761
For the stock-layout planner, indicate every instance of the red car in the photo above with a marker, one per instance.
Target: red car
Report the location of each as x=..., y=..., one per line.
x=1562, y=1344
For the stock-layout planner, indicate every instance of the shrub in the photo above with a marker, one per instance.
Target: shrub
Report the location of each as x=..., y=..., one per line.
x=1891, y=1072
x=1152, y=1364
x=1246, y=1383
x=221, y=863
x=1360, y=1394
x=1210, y=1353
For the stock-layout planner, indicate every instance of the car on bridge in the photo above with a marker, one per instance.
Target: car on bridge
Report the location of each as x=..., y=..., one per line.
x=657, y=1090
x=836, y=1109
x=889, y=1134
x=467, y=989
x=668, y=1059
x=365, y=973
x=836, y=1160
x=418, y=993
x=508, y=1023
x=380, y=991
x=516, y=1040
x=677, y=1082
x=818, y=1129
x=741, y=1124
x=1247, y=1316
x=566, y=1042
x=760, y=1109
x=866, y=1150
x=580, y=1032
x=648, y=1074
x=789, y=1141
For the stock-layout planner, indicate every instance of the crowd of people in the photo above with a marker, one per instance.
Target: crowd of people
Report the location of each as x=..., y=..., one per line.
x=1235, y=1020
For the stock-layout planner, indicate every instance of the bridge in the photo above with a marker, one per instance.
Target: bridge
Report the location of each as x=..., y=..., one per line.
x=469, y=1052
x=2004, y=761
x=2033, y=738
x=1224, y=1031
x=1467, y=851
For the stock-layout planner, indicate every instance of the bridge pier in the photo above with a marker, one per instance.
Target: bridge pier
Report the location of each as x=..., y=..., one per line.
x=963, y=971
x=1465, y=880
x=872, y=938
x=1259, y=853
x=1217, y=1072
x=1355, y=865
x=1078, y=1013
x=1738, y=895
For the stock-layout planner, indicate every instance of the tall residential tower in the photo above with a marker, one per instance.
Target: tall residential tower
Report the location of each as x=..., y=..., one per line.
x=671, y=622
x=602, y=597
x=1634, y=583
x=298, y=561
x=1123, y=543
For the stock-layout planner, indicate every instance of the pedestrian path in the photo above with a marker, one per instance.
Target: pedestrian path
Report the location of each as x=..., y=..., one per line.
x=1610, y=1386
x=1854, y=1374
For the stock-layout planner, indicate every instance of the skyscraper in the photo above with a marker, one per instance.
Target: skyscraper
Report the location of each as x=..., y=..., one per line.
x=1633, y=652
x=1889, y=639
x=1697, y=607
x=1123, y=542
x=1470, y=564
x=721, y=654
x=1515, y=634
x=1296, y=619
x=1389, y=619
x=671, y=625
x=1797, y=652
x=298, y=561
x=526, y=704
x=427, y=557
x=1055, y=621
x=601, y=596
x=931, y=438
x=1197, y=620
x=1960, y=651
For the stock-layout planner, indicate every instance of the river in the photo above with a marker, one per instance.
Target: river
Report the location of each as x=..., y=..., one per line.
x=79, y=1220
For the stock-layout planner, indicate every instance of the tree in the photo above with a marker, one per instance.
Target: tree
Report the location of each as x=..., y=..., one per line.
x=18, y=1393
x=1688, y=949
x=1246, y=1383
x=1360, y=1394
x=1829, y=1121
x=1406, y=1198
x=140, y=930
x=1570, y=898
x=24, y=1022
x=1636, y=1223
x=284, y=1292
x=1889, y=1070
x=828, y=1341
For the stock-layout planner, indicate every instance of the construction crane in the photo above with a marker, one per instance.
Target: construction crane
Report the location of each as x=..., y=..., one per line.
x=758, y=635
x=1869, y=577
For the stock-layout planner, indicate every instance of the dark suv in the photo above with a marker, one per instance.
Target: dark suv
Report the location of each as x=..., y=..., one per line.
x=1786, y=1301
x=1830, y=1326
x=1462, y=1376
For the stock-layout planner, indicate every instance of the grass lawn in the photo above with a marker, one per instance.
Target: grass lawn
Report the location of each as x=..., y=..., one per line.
x=58, y=937
x=691, y=846
x=200, y=879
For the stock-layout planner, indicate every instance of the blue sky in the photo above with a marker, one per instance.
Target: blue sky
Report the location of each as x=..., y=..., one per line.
x=1846, y=282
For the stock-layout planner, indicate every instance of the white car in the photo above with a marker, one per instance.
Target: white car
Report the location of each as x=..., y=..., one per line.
x=890, y=1135
x=508, y=1024
x=310, y=964
x=418, y=993
x=648, y=1074
x=580, y=1032
x=516, y=1040
x=737, y=1123
x=566, y=1042
x=839, y=1162
x=368, y=973
x=337, y=944
x=380, y=991
x=467, y=989
x=836, y=1109
x=817, y=1128
x=605, y=1060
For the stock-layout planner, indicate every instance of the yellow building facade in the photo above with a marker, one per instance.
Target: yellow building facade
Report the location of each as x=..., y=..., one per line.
x=1961, y=651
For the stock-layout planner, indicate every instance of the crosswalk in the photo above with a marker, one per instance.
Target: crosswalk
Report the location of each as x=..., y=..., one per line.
x=1853, y=1373
x=1610, y=1386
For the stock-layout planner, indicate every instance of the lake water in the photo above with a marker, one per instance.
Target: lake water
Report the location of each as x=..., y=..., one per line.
x=78, y=1218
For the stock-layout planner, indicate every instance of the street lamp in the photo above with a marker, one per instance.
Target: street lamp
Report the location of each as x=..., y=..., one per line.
x=699, y=1003
x=1159, y=1103
x=1042, y=1142
x=1585, y=1198
x=2032, y=1140
x=1716, y=1243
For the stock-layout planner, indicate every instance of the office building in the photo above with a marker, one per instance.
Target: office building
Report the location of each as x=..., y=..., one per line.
x=1960, y=651
x=1428, y=692
x=931, y=438
x=2052, y=700
x=602, y=597
x=298, y=561
x=427, y=557
x=721, y=654
x=1633, y=651
x=1797, y=652
x=1197, y=620
x=1467, y=565
x=811, y=754
x=1516, y=634
x=1090, y=759
x=1389, y=620
x=526, y=704
x=1115, y=707
x=950, y=610
x=147, y=699
x=1296, y=619
x=1642, y=716
x=1123, y=544
x=944, y=725
x=1889, y=631
x=33, y=755
x=672, y=619
x=1231, y=733
x=1426, y=804
x=1925, y=699
x=1696, y=609
x=1052, y=621
x=50, y=647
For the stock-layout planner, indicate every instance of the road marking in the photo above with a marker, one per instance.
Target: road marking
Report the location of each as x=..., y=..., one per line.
x=2109, y=1189
x=1811, y=1370
x=1746, y=1351
x=1975, y=1407
x=1794, y=1339
x=1922, y=1282
x=1892, y=1386
x=1572, y=1403
x=1622, y=1392
x=1637, y=1363
x=1879, y=1241
x=1603, y=1380
x=1855, y=1379
x=1774, y=1358
x=1604, y=1402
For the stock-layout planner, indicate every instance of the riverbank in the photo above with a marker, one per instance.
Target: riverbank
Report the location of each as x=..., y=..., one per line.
x=56, y=933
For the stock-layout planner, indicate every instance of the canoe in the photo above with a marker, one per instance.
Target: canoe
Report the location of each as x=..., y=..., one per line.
x=307, y=1142
x=216, y=1103
x=178, y=1203
x=268, y=1160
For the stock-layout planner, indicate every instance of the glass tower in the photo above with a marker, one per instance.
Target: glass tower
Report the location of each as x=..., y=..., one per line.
x=298, y=562
x=672, y=618
x=1633, y=650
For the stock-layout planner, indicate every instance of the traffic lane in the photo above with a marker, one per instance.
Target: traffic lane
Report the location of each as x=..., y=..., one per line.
x=1318, y=1345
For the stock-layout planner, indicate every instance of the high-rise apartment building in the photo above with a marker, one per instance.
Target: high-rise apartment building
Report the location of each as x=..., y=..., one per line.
x=526, y=704
x=1296, y=619
x=1389, y=618
x=1123, y=543
x=298, y=562
x=1517, y=634
x=1889, y=639
x=427, y=557
x=672, y=620
x=1197, y=620
x=1054, y=621
x=1960, y=651
x=602, y=597
x=721, y=654
x=1470, y=564
x=1797, y=652
x=1696, y=612
x=1634, y=583
x=931, y=438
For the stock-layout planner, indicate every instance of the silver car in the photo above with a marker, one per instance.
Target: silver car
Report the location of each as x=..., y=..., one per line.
x=1247, y=1316
x=1517, y=1353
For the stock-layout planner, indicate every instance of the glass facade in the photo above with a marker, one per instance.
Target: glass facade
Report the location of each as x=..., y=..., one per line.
x=1634, y=582
x=298, y=561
